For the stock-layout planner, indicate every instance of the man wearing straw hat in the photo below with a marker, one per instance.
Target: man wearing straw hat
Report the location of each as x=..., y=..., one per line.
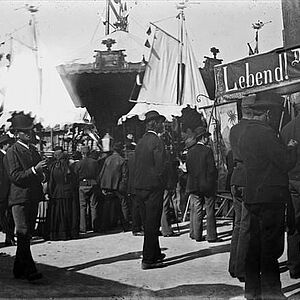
x=149, y=183
x=267, y=161
x=292, y=131
x=25, y=169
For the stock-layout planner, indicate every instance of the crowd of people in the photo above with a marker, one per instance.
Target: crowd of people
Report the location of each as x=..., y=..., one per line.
x=97, y=192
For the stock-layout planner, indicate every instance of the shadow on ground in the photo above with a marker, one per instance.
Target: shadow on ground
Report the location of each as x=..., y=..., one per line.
x=60, y=283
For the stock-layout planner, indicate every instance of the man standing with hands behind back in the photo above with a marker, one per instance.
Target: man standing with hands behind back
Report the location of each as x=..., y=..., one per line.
x=267, y=161
x=149, y=183
x=25, y=170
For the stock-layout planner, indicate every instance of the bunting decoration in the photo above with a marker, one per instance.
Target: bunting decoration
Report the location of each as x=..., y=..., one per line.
x=149, y=30
x=147, y=44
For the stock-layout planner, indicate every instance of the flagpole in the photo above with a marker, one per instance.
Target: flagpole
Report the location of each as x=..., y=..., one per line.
x=32, y=11
x=181, y=7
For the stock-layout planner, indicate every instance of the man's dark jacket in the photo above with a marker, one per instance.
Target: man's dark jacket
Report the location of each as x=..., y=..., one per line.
x=267, y=161
x=238, y=176
x=201, y=170
x=150, y=163
x=4, y=182
x=114, y=173
x=25, y=185
x=87, y=168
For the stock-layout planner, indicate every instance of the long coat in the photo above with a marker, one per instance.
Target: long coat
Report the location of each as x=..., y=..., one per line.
x=267, y=161
x=4, y=181
x=25, y=185
x=150, y=163
x=201, y=170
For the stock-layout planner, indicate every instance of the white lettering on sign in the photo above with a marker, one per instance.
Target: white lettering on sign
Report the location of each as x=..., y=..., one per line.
x=268, y=76
x=296, y=53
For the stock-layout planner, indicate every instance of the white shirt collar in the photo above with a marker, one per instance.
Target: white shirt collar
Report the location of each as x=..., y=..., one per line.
x=3, y=151
x=153, y=132
x=23, y=144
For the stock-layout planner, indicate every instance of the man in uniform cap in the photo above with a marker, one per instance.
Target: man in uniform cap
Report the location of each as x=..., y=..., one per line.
x=201, y=186
x=25, y=169
x=292, y=131
x=6, y=219
x=149, y=183
x=267, y=161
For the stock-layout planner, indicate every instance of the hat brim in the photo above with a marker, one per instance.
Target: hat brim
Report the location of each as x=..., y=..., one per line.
x=264, y=105
x=206, y=133
x=159, y=117
x=23, y=127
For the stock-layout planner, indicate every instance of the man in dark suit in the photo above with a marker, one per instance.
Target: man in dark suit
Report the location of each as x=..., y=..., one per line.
x=201, y=186
x=292, y=131
x=238, y=183
x=113, y=180
x=267, y=161
x=87, y=171
x=25, y=169
x=149, y=183
x=6, y=219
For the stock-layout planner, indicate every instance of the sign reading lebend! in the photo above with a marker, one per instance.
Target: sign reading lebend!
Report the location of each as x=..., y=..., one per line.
x=265, y=70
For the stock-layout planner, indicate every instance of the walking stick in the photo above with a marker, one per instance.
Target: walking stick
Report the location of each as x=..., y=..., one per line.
x=186, y=209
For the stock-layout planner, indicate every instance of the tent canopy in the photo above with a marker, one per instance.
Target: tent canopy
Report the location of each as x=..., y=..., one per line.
x=33, y=85
x=160, y=88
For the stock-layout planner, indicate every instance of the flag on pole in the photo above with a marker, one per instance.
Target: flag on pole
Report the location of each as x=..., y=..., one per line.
x=149, y=30
x=251, y=52
x=147, y=44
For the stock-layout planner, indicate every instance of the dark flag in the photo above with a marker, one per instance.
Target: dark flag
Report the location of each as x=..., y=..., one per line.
x=251, y=52
x=149, y=30
x=147, y=44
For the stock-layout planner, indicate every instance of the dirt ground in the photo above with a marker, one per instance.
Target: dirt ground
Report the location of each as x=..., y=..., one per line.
x=108, y=266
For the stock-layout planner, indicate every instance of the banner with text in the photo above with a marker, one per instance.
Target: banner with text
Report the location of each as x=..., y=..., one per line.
x=252, y=73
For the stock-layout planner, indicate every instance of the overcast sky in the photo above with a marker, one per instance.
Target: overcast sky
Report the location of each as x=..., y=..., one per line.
x=66, y=25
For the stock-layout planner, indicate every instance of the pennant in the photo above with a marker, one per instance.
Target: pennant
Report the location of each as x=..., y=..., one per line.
x=149, y=30
x=147, y=44
x=251, y=52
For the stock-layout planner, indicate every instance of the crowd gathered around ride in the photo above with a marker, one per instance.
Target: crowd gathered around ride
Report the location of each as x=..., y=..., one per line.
x=143, y=190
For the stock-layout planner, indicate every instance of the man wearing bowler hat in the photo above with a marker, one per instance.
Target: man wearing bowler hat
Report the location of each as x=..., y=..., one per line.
x=267, y=161
x=25, y=170
x=149, y=183
x=201, y=186
x=6, y=219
